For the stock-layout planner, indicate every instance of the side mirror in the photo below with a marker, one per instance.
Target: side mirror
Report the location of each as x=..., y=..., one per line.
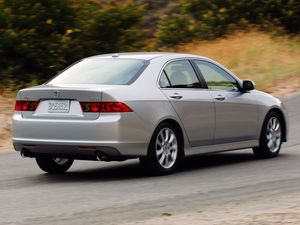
x=248, y=85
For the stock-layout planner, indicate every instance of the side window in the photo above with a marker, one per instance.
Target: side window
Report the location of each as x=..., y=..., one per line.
x=215, y=77
x=163, y=81
x=179, y=74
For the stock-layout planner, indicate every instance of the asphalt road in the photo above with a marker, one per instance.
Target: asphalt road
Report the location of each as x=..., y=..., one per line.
x=117, y=193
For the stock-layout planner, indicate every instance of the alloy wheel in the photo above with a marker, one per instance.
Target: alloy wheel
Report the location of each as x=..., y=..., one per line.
x=273, y=134
x=166, y=148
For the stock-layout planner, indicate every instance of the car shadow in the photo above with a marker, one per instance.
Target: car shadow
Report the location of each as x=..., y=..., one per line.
x=214, y=160
x=132, y=170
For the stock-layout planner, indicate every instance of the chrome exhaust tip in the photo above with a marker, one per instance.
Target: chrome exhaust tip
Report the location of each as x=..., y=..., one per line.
x=23, y=153
x=100, y=157
x=26, y=153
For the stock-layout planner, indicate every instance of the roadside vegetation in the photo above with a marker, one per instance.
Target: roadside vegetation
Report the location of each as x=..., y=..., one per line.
x=40, y=38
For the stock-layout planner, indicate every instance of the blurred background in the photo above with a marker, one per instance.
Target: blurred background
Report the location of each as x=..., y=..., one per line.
x=256, y=39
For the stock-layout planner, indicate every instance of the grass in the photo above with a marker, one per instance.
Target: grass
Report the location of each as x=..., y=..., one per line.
x=272, y=62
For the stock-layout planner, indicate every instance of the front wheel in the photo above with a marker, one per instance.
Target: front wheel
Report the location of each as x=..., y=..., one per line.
x=271, y=137
x=164, y=150
x=53, y=165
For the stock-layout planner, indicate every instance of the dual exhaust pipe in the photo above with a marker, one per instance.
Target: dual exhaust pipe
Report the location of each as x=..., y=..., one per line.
x=99, y=156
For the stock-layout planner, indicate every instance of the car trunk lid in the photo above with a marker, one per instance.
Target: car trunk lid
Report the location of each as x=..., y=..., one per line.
x=57, y=102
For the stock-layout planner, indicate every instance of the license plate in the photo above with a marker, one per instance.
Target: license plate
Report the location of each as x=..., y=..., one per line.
x=58, y=106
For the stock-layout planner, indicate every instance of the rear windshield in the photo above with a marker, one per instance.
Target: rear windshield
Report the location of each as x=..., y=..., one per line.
x=102, y=71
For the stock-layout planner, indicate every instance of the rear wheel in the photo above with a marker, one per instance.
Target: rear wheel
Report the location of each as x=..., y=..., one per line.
x=54, y=165
x=271, y=137
x=164, y=150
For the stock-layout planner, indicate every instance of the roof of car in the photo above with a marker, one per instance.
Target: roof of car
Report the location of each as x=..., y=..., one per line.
x=144, y=55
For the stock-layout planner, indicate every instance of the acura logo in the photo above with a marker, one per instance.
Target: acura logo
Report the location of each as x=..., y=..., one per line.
x=56, y=94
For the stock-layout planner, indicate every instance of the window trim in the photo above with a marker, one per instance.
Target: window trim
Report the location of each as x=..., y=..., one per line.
x=139, y=72
x=202, y=85
x=165, y=74
x=199, y=74
x=226, y=72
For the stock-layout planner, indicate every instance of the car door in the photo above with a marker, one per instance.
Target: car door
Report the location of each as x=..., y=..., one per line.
x=236, y=112
x=192, y=103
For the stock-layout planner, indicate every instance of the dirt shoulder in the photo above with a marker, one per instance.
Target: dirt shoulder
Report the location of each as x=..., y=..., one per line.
x=273, y=209
x=6, y=112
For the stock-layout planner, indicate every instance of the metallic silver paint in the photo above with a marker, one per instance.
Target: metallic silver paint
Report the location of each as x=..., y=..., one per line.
x=196, y=112
x=236, y=117
x=208, y=124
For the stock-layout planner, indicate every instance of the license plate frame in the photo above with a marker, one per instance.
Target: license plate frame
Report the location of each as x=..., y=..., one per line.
x=58, y=106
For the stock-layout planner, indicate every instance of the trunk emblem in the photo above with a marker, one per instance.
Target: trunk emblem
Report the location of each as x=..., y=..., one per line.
x=56, y=94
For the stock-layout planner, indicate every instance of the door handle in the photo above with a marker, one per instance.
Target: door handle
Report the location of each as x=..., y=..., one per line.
x=220, y=97
x=176, y=96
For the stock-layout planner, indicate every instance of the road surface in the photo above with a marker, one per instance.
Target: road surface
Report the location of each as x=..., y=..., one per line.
x=225, y=188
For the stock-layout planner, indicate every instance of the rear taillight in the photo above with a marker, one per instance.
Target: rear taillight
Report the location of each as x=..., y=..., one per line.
x=26, y=105
x=104, y=107
x=90, y=106
x=114, y=107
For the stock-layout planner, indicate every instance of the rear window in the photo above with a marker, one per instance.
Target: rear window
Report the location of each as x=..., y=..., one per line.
x=102, y=71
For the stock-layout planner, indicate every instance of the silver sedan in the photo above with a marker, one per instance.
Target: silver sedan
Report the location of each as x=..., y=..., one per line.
x=158, y=107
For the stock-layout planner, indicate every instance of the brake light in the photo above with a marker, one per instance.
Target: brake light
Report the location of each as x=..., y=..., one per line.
x=104, y=107
x=26, y=105
x=114, y=107
x=90, y=106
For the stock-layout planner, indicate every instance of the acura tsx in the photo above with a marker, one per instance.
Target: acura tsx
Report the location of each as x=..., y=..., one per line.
x=158, y=107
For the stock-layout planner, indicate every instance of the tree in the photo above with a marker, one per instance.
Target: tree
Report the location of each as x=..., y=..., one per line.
x=31, y=35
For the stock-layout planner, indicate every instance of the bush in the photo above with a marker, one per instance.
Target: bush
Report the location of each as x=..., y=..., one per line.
x=174, y=29
x=40, y=38
x=30, y=37
x=215, y=18
x=117, y=27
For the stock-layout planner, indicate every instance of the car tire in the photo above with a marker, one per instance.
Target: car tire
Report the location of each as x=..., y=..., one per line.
x=164, y=151
x=54, y=165
x=271, y=137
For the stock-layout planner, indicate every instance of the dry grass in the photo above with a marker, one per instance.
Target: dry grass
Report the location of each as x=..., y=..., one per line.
x=272, y=62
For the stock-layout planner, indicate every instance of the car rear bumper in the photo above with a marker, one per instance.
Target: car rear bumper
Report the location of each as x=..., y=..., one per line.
x=103, y=153
x=111, y=134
